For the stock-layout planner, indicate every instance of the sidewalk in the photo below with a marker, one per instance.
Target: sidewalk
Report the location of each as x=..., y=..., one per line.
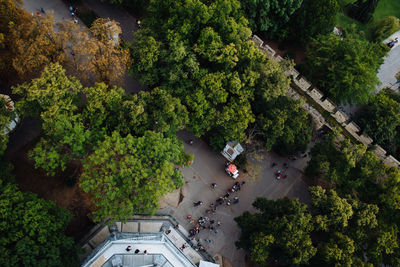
x=391, y=66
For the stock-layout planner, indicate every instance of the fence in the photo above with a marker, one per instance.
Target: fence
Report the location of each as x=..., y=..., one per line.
x=325, y=105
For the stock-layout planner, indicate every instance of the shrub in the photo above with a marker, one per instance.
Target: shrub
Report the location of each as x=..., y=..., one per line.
x=385, y=27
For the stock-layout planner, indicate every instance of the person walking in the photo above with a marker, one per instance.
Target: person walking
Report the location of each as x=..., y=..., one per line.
x=214, y=185
x=128, y=248
x=137, y=251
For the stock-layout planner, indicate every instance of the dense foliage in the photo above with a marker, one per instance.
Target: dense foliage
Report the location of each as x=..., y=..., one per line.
x=345, y=69
x=280, y=230
x=314, y=17
x=380, y=119
x=285, y=126
x=200, y=52
x=85, y=124
x=270, y=16
x=355, y=223
x=32, y=231
x=29, y=43
x=385, y=27
x=125, y=175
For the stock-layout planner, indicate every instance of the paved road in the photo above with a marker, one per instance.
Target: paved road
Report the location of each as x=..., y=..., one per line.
x=208, y=167
x=391, y=65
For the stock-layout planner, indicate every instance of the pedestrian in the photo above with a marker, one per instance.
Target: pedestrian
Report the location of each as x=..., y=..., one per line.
x=137, y=251
x=213, y=185
x=176, y=226
x=242, y=183
x=208, y=241
x=212, y=222
x=192, y=221
x=226, y=195
x=38, y=14
x=235, y=200
x=168, y=232
x=128, y=248
x=42, y=10
x=191, y=142
x=218, y=223
x=284, y=177
x=216, y=232
x=145, y=251
x=211, y=205
x=274, y=164
x=189, y=216
x=71, y=9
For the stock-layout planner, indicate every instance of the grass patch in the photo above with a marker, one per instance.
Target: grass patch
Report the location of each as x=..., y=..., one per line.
x=387, y=8
x=346, y=23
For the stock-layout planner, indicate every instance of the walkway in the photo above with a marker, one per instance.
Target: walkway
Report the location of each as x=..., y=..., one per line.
x=207, y=168
x=391, y=66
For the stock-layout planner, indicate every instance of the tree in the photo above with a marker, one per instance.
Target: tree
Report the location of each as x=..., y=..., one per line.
x=362, y=10
x=380, y=119
x=333, y=160
x=338, y=250
x=11, y=14
x=128, y=175
x=34, y=44
x=280, y=229
x=7, y=115
x=286, y=127
x=333, y=212
x=200, y=52
x=55, y=98
x=314, y=17
x=385, y=27
x=269, y=16
x=32, y=231
x=345, y=69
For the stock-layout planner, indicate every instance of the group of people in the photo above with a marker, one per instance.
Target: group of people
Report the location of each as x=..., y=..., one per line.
x=206, y=223
x=73, y=11
x=281, y=173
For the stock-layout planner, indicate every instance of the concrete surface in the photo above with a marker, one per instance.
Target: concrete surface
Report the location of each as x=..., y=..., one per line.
x=207, y=168
x=391, y=65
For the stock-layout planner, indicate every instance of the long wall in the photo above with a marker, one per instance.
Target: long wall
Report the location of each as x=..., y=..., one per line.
x=327, y=105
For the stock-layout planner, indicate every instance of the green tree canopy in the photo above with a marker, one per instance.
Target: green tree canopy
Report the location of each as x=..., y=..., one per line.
x=128, y=175
x=270, y=16
x=73, y=124
x=32, y=231
x=280, y=229
x=314, y=17
x=286, y=127
x=380, y=119
x=345, y=69
x=200, y=52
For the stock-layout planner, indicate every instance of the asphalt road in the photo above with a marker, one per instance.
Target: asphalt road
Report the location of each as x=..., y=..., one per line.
x=391, y=66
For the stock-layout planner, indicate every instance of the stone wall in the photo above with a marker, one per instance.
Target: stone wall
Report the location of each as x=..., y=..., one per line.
x=342, y=118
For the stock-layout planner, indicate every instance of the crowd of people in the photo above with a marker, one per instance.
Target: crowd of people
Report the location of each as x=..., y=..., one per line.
x=207, y=224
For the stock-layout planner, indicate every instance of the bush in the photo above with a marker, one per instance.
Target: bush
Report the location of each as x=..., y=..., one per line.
x=385, y=27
